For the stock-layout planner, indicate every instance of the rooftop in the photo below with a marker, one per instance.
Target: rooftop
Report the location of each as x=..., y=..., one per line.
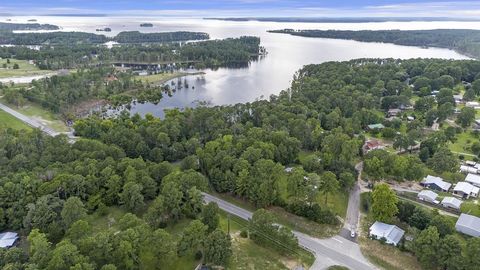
x=469, y=221
x=7, y=239
x=437, y=181
x=429, y=194
x=452, y=201
x=390, y=232
x=466, y=188
x=473, y=179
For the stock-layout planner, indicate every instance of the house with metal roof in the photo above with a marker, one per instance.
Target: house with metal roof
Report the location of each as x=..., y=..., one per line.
x=375, y=126
x=436, y=183
x=428, y=196
x=469, y=225
x=8, y=239
x=468, y=169
x=391, y=233
x=465, y=190
x=473, y=179
x=451, y=202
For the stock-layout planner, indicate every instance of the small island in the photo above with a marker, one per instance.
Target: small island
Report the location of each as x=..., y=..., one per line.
x=32, y=20
x=146, y=25
x=106, y=29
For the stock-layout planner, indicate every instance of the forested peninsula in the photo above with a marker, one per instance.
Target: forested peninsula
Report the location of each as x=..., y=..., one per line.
x=464, y=41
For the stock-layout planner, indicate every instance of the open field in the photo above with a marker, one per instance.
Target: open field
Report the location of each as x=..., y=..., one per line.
x=463, y=143
x=163, y=77
x=8, y=121
x=44, y=116
x=25, y=69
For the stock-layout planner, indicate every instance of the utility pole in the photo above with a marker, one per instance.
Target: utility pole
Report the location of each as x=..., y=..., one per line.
x=228, y=223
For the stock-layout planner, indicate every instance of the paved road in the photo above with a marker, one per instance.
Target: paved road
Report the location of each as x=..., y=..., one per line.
x=328, y=252
x=34, y=123
x=353, y=210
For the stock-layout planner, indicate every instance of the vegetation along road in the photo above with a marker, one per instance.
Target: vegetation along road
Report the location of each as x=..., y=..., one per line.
x=328, y=252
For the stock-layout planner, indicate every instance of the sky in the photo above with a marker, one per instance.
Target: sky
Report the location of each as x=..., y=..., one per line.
x=248, y=8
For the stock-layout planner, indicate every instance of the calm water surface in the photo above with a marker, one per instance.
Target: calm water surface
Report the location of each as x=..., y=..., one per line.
x=271, y=74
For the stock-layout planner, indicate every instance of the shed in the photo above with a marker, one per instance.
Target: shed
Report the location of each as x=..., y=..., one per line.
x=469, y=225
x=451, y=202
x=8, y=239
x=428, y=196
x=391, y=233
x=465, y=190
x=473, y=179
x=436, y=183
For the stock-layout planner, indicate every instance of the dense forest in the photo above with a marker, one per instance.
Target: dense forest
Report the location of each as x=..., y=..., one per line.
x=26, y=26
x=210, y=53
x=156, y=168
x=71, y=38
x=461, y=40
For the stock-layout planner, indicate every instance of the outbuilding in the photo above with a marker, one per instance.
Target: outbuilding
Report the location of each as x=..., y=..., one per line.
x=473, y=179
x=428, y=196
x=465, y=190
x=435, y=183
x=469, y=225
x=391, y=233
x=451, y=202
x=8, y=239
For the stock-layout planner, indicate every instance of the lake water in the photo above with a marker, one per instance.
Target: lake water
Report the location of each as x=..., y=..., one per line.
x=271, y=74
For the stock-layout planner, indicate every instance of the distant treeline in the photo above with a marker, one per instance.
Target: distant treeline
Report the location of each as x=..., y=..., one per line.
x=341, y=20
x=461, y=40
x=210, y=53
x=72, y=38
x=27, y=26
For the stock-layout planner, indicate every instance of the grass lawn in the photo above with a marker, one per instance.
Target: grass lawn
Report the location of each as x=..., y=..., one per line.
x=40, y=114
x=8, y=121
x=471, y=208
x=463, y=143
x=25, y=69
x=338, y=202
x=163, y=77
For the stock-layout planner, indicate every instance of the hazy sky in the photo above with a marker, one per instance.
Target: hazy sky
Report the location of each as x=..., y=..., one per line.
x=265, y=8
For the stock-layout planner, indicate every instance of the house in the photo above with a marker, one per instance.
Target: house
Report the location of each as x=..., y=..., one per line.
x=391, y=233
x=8, y=239
x=469, y=225
x=393, y=112
x=465, y=190
x=288, y=169
x=473, y=104
x=473, y=179
x=458, y=99
x=375, y=126
x=470, y=163
x=451, y=202
x=468, y=169
x=428, y=196
x=372, y=145
x=435, y=183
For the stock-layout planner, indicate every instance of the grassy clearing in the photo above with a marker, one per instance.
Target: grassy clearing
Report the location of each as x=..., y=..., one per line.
x=25, y=69
x=8, y=121
x=471, y=208
x=164, y=77
x=44, y=116
x=338, y=202
x=463, y=143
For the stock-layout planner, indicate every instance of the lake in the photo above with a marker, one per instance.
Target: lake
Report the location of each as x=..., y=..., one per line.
x=272, y=73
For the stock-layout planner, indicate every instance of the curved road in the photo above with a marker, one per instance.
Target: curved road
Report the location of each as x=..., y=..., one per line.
x=332, y=251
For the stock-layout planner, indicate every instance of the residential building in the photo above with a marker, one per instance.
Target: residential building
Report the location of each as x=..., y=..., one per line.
x=391, y=233
x=469, y=225
x=473, y=179
x=372, y=145
x=393, y=112
x=451, y=202
x=8, y=239
x=375, y=126
x=428, y=196
x=435, y=183
x=473, y=104
x=465, y=190
x=468, y=169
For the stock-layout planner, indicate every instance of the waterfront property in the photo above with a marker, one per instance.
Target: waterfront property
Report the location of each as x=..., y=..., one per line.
x=390, y=233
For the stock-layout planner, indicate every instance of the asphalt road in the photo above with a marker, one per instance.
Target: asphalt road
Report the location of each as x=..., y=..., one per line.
x=332, y=251
x=34, y=123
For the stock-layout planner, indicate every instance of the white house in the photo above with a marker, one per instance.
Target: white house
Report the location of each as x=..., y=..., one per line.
x=451, y=202
x=391, y=233
x=468, y=169
x=436, y=183
x=428, y=196
x=469, y=225
x=473, y=104
x=470, y=163
x=465, y=190
x=8, y=239
x=473, y=179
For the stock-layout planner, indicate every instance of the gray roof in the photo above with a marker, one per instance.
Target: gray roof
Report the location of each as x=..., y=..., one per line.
x=469, y=221
x=437, y=181
x=452, y=202
x=429, y=194
x=391, y=232
x=473, y=179
x=7, y=239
